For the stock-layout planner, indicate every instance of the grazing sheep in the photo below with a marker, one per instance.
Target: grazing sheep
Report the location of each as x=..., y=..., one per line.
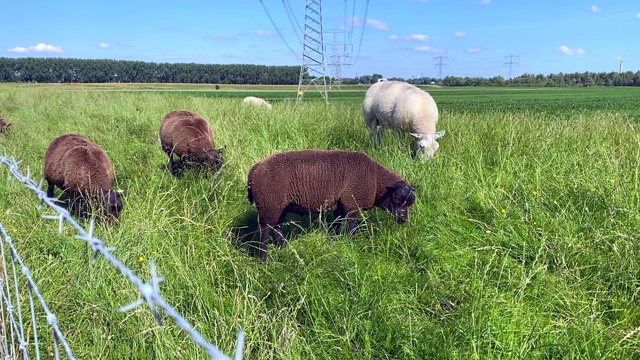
x=313, y=180
x=402, y=106
x=82, y=169
x=189, y=136
x=4, y=127
x=252, y=100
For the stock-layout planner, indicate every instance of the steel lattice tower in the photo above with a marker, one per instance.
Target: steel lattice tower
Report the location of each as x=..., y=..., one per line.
x=312, y=72
x=340, y=56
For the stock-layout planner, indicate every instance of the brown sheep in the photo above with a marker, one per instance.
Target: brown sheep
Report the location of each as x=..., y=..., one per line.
x=304, y=181
x=83, y=170
x=189, y=136
x=4, y=127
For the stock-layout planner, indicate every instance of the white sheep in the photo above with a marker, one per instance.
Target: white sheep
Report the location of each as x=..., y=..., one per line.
x=402, y=106
x=252, y=100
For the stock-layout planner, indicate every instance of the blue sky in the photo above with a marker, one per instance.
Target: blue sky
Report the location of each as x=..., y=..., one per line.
x=399, y=37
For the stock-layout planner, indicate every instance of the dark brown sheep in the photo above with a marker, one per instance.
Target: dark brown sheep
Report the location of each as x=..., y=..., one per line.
x=82, y=169
x=4, y=127
x=189, y=136
x=304, y=181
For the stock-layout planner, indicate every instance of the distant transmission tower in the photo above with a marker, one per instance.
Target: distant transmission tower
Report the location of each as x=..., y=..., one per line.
x=340, y=56
x=441, y=64
x=510, y=63
x=312, y=70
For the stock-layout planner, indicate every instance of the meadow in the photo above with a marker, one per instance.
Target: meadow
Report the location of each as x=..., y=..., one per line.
x=524, y=241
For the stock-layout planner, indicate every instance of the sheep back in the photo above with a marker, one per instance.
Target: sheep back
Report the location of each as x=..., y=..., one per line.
x=76, y=164
x=186, y=134
x=252, y=100
x=400, y=105
x=313, y=180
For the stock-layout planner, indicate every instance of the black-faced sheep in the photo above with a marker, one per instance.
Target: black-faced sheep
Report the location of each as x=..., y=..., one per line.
x=4, y=127
x=83, y=170
x=189, y=136
x=305, y=181
x=252, y=100
x=402, y=106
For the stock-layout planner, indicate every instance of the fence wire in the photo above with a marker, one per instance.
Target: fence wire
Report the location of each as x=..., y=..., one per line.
x=150, y=292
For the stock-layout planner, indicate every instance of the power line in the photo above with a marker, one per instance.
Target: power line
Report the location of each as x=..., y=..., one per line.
x=511, y=63
x=294, y=16
x=278, y=30
x=290, y=15
x=364, y=25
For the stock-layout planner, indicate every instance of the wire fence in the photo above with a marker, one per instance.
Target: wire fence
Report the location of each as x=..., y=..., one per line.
x=13, y=336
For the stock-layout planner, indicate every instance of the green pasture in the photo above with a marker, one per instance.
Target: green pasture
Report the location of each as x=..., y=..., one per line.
x=524, y=241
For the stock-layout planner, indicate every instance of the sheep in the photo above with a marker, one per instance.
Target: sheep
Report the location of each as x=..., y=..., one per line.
x=4, y=127
x=82, y=169
x=309, y=181
x=402, y=106
x=252, y=100
x=189, y=136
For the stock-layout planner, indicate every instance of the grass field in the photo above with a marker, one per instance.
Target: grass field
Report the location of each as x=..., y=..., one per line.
x=524, y=241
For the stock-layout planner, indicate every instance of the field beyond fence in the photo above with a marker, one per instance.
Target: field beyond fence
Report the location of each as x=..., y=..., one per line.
x=523, y=242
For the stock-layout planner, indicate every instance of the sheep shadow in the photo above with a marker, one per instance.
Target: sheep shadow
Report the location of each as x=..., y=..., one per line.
x=81, y=209
x=245, y=229
x=180, y=167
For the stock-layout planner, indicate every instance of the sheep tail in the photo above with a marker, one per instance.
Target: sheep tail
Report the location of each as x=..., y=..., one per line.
x=249, y=183
x=250, y=194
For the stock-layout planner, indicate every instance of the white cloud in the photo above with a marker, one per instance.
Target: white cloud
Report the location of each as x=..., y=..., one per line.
x=485, y=2
x=377, y=24
x=19, y=49
x=263, y=33
x=474, y=50
x=567, y=51
x=428, y=49
x=460, y=34
x=103, y=45
x=595, y=9
x=638, y=16
x=41, y=48
x=417, y=37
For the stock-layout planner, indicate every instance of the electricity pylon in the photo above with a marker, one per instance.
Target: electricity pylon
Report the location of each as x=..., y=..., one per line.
x=312, y=72
x=510, y=63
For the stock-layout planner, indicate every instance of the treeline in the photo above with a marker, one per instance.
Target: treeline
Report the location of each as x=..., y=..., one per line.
x=101, y=71
x=53, y=70
x=627, y=78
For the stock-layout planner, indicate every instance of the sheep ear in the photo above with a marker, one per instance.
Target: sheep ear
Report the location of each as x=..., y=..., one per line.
x=415, y=135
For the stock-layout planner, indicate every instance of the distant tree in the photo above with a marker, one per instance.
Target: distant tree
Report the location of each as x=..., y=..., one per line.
x=374, y=78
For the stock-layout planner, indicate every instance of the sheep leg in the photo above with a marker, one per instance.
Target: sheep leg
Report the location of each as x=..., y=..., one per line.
x=351, y=210
x=50, y=189
x=280, y=240
x=265, y=232
x=376, y=133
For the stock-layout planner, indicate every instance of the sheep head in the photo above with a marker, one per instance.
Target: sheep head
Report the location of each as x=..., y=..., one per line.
x=397, y=200
x=214, y=158
x=426, y=145
x=112, y=201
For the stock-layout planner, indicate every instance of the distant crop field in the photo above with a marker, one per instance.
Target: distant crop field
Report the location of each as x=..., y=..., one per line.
x=523, y=243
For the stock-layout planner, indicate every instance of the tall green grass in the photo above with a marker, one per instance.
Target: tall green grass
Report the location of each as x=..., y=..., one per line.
x=523, y=243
